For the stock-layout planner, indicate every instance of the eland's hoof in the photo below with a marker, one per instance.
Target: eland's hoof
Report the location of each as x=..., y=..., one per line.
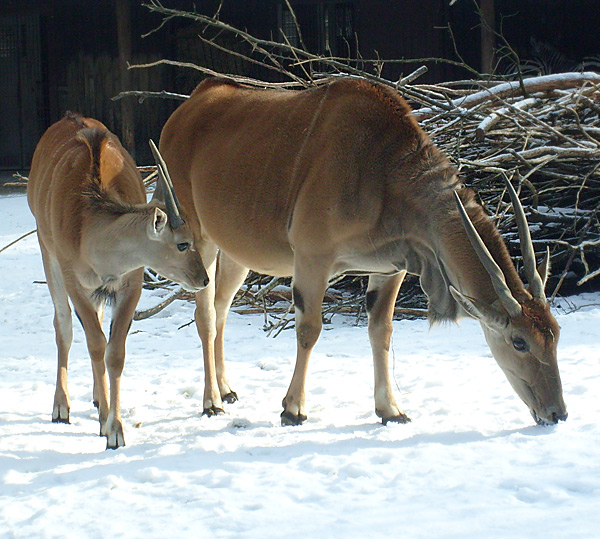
x=115, y=439
x=212, y=411
x=401, y=418
x=60, y=414
x=230, y=398
x=287, y=419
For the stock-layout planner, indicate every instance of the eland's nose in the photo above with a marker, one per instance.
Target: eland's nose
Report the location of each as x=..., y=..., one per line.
x=559, y=417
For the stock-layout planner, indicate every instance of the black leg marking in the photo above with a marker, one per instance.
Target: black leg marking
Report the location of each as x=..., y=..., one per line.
x=111, y=328
x=298, y=299
x=371, y=299
x=79, y=318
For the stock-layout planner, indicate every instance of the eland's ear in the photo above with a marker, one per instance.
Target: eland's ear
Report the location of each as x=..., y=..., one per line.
x=544, y=268
x=486, y=314
x=157, y=223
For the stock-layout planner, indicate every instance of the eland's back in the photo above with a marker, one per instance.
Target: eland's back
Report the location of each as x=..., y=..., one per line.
x=292, y=169
x=61, y=170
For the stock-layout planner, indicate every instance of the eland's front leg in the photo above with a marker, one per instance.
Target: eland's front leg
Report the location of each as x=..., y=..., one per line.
x=230, y=276
x=206, y=324
x=381, y=298
x=310, y=282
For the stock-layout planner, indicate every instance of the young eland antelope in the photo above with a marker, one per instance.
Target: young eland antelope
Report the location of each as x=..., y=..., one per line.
x=96, y=233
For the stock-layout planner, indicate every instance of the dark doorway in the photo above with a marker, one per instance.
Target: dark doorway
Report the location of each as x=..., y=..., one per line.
x=21, y=92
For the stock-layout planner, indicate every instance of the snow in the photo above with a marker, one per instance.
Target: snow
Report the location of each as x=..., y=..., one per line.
x=470, y=464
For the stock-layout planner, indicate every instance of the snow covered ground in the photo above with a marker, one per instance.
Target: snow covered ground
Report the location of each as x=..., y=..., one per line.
x=470, y=464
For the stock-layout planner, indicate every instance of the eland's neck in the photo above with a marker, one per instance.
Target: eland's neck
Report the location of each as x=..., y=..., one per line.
x=114, y=245
x=465, y=271
x=456, y=262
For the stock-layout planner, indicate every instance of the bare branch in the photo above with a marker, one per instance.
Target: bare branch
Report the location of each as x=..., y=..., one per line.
x=533, y=85
x=143, y=95
x=18, y=240
x=147, y=313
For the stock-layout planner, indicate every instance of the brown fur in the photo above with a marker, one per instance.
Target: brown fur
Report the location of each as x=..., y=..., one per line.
x=335, y=179
x=96, y=234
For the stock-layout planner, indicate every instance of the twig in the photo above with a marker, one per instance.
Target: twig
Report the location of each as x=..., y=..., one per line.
x=143, y=95
x=412, y=76
x=147, y=313
x=495, y=116
x=17, y=240
x=212, y=73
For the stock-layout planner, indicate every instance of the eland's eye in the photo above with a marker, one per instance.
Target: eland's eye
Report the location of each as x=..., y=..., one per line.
x=519, y=344
x=183, y=246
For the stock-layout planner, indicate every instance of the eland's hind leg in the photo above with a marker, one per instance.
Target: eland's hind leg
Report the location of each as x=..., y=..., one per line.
x=63, y=327
x=90, y=316
x=381, y=298
x=125, y=302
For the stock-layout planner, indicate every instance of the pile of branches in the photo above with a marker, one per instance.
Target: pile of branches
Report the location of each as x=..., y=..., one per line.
x=541, y=133
x=272, y=297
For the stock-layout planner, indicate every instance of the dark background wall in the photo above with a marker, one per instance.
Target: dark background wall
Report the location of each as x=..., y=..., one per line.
x=58, y=55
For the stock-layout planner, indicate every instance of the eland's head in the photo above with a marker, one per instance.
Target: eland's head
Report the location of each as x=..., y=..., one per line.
x=521, y=332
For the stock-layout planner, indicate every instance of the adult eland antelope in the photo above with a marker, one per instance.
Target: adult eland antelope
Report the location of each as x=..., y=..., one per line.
x=340, y=179
x=96, y=233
